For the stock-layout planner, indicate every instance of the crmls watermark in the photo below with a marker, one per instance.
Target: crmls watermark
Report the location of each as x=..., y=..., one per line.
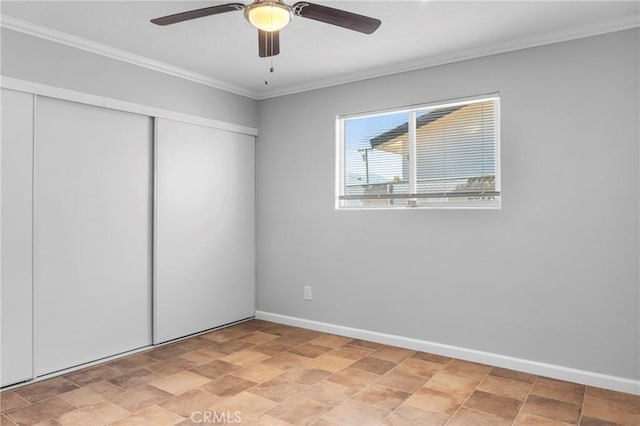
x=215, y=417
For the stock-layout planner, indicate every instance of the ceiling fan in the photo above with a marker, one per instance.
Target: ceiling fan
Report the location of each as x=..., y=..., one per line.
x=270, y=16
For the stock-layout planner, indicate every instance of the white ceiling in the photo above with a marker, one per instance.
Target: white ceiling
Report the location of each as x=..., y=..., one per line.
x=222, y=50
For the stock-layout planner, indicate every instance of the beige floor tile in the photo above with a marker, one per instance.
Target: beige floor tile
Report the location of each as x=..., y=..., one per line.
x=351, y=352
x=298, y=337
x=505, y=387
x=94, y=374
x=277, y=389
x=381, y=397
x=258, y=337
x=299, y=410
x=40, y=411
x=193, y=344
x=244, y=357
x=612, y=411
x=93, y=415
x=552, y=409
x=625, y=398
x=10, y=400
x=562, y=391
x=134, y=379
x=4, y=421
x=373, y=365
x=50, y=422
x=466, y=417
x=108, y=390
x=232, y=346
x=359, y=343
x=214, y=369
x=271, y=348
x=309, y=350
x=45, y=389
x=133, y=362
x=330, y=341
x=514, y=375
x=401, y=381
x=279, y=329
x=418, y=367
x=329, y=362
x=329, y=393
x=466, y=369
x=590, y=421
x=497, y=405
x=166, y=352
x=407, y=415
x=194, y=400
x=258, y=373
x=228, y=386
x=353, y=377
x=246, y=405
x=83, y=397
x=527, y=419
x=425, y=356
x=433, y=400
x=306, y=375
x=452, y=384
x=354, y=413
x=153, y=415
x=202, y=356
x=267, y=420
x=172, y=366
x=285, y=361
x=180, y=382
x=392, y=353
x=142, y=397
x=224, y=335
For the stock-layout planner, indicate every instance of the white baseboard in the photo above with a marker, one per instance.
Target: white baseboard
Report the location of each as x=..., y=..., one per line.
x=620, y=384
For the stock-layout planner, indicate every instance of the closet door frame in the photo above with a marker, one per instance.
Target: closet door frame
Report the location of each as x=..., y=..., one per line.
x=17, y=237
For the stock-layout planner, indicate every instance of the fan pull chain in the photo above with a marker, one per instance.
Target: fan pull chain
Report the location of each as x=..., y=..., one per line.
x=271, y=69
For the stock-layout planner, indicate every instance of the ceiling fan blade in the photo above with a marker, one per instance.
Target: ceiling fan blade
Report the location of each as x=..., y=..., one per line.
x=341, y=18
x=268, y=43
x=197, y=13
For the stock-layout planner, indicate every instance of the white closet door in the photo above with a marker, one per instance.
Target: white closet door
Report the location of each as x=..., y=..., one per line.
x=205, y=240
x=92, y=221
x=17, y=166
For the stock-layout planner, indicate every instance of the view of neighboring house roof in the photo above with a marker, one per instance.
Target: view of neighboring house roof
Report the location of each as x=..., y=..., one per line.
x=423, y=120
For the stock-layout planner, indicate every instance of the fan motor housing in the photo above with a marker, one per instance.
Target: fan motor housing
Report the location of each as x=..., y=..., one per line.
x=268, y=15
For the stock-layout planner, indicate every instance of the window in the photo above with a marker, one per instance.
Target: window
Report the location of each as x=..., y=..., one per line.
x=433, y=155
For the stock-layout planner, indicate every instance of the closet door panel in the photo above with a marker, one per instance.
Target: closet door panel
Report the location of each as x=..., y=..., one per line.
x=205, y=239
x=92, y=222
x=17, y=170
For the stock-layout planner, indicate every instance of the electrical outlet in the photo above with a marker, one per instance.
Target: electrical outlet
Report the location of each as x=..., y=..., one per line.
x=307, y=293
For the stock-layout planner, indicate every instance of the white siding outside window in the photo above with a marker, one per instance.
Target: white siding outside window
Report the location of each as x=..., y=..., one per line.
x=433, y=155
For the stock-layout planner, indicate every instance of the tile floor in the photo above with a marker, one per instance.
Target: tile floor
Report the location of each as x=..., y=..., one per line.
x=261, y=373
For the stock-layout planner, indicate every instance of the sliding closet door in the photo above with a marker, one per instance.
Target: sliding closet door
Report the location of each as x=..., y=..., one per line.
x=17, y=160
x=205, y=267
x=92, y=222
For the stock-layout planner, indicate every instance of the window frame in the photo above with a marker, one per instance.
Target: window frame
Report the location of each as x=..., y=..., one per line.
x=411, y=110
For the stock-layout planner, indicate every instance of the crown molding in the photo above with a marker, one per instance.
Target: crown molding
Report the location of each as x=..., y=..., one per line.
x=599, y=28
x=46, y=33
x=584, y=31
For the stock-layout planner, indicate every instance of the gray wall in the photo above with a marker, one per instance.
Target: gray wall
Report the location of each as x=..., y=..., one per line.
x=34, y=59
x=551, y=277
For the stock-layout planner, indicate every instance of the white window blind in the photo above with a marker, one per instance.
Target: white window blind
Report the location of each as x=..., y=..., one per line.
x=434, y=155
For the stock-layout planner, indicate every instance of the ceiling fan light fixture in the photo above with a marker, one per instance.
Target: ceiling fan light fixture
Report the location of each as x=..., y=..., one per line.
x=268, y=15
